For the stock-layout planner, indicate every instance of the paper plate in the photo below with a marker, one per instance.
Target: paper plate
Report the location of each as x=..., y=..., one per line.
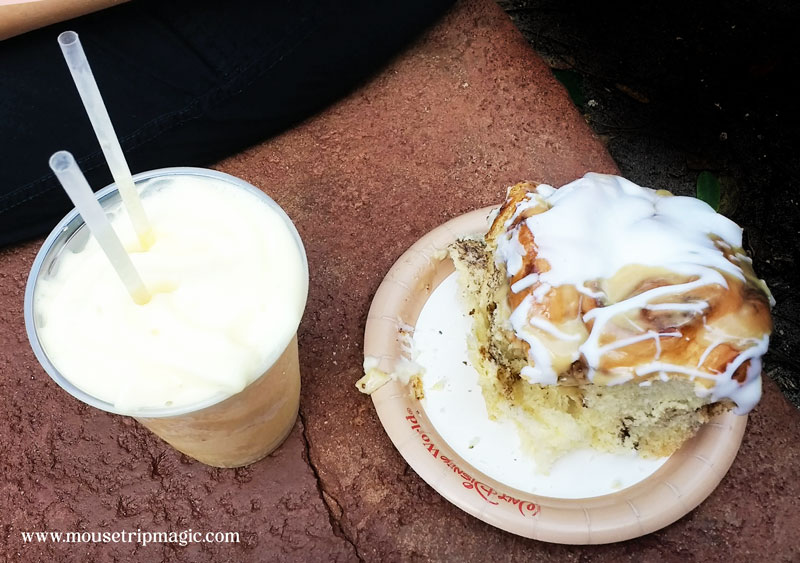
x=587, y=498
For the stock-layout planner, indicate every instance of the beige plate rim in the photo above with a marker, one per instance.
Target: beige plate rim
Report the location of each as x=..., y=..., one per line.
x=675, y=489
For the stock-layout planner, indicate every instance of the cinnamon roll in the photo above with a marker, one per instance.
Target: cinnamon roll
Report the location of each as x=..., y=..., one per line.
x=614, y=316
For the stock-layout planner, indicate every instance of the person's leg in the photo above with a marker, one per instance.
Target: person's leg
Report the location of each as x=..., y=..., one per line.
x=185, y=82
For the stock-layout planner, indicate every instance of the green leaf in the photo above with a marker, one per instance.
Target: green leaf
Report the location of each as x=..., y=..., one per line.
x=708, y=189
x=573, y=82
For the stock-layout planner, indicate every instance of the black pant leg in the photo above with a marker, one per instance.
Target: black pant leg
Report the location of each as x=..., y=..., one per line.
x=185, y=82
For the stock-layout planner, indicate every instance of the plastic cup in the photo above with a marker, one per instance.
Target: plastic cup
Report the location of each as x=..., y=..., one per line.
x=224, y=430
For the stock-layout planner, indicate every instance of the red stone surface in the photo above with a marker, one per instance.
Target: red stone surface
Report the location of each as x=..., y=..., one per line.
x=69, y=467
x=442, y=130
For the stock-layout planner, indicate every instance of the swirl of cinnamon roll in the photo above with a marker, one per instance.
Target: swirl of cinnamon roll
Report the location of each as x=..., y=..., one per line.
x=610, y=282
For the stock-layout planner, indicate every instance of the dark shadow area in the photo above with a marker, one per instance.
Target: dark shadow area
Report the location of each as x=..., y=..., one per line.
x=679, y=88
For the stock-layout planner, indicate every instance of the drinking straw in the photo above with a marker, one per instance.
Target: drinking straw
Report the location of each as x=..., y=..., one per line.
x=74, y=183
x=101, y=123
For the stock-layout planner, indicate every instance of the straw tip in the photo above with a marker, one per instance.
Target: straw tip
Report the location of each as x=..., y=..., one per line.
x=67, y=38
x=61, y=161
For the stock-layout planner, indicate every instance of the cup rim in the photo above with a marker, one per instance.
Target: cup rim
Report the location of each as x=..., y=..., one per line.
x=58, y=231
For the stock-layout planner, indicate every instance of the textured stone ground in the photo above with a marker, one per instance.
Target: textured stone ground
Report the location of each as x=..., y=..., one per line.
x=441, y=131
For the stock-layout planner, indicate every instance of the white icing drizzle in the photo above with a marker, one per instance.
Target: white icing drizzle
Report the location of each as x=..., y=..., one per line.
x=636, y=327
x=542, y=369
x=696, y=307
x=550, y=328
x=707, y=351
x=601, y=316
x=650, y=334
x=511, y=254
x=745, y=396
x=525, y=283
x=589, y=231
x=540, y=292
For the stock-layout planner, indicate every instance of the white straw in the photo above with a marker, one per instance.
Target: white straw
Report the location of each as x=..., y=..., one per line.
x=101, y=122
x=78, y=190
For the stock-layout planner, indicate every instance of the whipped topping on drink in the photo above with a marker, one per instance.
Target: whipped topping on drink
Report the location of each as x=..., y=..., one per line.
x=228, y=283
